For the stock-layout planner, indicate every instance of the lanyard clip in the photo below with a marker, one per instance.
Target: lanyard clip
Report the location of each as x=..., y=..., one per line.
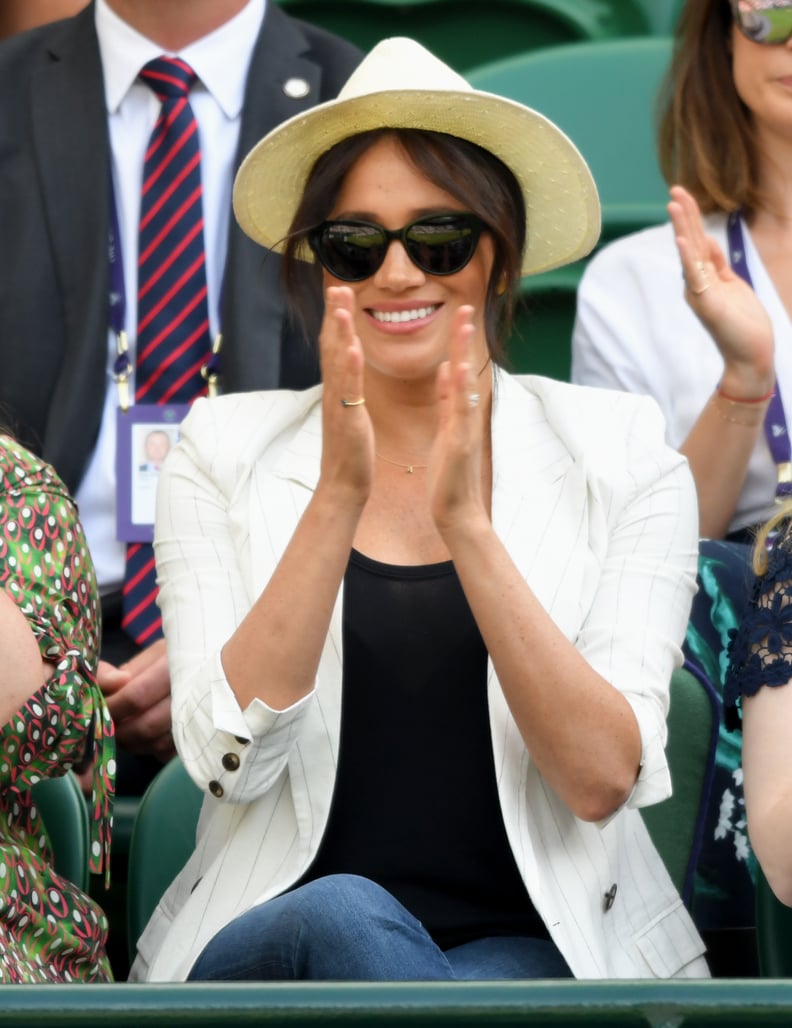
x=122, y=369
x=210, y=372
x=784, y=486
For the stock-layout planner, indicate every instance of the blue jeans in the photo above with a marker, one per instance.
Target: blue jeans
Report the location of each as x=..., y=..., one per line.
x=347, y=928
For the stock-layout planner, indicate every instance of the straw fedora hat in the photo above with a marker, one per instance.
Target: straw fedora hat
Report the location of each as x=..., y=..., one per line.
x=399, y=84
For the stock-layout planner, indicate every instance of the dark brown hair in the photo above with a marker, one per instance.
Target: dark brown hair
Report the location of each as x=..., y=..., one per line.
x=471, y=174
x=706, y=137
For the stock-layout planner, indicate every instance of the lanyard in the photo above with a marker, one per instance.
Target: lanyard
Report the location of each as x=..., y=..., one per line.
x=775, y=423
x=122, y=366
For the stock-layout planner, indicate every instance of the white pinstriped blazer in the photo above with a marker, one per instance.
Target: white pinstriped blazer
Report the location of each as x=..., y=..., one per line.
x=600, y=517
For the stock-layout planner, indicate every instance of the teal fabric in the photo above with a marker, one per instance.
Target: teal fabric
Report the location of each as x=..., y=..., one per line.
x=723, y=895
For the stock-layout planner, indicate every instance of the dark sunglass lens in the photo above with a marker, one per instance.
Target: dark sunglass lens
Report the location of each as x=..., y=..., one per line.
x=442, y=246
x=352, y=252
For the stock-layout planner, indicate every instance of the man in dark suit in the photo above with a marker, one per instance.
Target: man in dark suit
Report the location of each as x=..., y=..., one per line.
x=58, y=144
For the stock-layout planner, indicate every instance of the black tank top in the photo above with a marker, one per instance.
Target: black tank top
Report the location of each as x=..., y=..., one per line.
x=415, y=806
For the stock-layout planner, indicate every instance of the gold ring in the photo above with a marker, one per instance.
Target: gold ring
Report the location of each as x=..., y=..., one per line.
x=702, y=270
x=353, y=403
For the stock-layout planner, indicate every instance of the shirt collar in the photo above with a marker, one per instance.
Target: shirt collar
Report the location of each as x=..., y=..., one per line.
x=220, y=60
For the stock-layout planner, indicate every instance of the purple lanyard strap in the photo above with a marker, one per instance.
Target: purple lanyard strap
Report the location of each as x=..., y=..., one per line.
x=775, y=424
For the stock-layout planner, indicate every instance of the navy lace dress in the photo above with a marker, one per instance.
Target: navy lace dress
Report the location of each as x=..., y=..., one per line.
x=761, y=646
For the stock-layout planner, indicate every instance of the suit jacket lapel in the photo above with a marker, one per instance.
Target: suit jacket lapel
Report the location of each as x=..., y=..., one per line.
x=69, y=122
x=253, y=305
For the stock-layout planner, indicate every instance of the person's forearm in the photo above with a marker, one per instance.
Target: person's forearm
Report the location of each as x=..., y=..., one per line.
x=718, y=449
x=770, y=832
x=22, y=671
x=274, y=654
x=768, y=783
x=579, y=729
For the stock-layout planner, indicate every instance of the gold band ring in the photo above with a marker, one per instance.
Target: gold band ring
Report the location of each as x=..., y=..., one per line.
x=702, y=270
x=353, y=403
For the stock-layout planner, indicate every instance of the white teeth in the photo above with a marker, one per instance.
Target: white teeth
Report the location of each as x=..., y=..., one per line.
x=396, y=316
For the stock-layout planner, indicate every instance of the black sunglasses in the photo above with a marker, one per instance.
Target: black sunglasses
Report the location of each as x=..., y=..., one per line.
x=762, y=23
x=439, y=244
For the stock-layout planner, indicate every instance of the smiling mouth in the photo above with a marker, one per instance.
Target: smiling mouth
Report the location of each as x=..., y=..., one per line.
x=397, y=317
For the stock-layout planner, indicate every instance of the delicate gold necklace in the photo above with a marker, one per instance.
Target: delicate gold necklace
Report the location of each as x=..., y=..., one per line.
x=409, y=468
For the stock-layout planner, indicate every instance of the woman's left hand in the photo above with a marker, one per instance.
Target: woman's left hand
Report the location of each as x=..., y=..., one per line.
x=454, y=480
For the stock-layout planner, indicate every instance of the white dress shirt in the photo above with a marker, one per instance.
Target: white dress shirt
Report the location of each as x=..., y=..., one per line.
x=635, y=331
x=221, y=61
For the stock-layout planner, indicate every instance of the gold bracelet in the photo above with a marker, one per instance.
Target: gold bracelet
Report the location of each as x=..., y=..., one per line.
x=750, y=414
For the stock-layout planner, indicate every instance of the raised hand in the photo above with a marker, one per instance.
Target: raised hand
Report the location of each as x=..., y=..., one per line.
x=725, y=304
x=348, y=437
x=454, y=480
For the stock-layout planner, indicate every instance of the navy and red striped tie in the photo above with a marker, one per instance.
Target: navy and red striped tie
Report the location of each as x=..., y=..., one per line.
x=173, y=340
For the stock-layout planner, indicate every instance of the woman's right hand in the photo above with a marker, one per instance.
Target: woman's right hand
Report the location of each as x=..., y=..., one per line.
x=348, y=436
x=725, y=304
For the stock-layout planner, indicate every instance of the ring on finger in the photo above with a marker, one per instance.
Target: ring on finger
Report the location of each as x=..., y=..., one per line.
x=473, y=399
x=702, y=275
x=353, y=403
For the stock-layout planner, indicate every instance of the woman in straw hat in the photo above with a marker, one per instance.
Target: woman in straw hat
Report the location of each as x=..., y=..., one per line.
x=422, y=619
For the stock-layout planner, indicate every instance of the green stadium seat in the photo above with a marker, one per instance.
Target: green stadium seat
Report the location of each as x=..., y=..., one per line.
x=544, y=315
x=163, y=838
x=464, y=33
x=65, y=815
x=677, y=824
x=662, y=15
x=603, y=95
x=773, y=931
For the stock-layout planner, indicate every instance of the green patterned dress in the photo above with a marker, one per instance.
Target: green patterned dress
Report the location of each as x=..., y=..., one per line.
x=50, y=931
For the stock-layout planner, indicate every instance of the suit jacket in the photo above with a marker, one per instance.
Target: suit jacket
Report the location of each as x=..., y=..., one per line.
x=54, y=215
x=600, y=517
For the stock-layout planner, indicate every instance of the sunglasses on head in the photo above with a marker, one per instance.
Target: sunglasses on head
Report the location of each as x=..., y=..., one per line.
x=762, y=22
x=439, y=244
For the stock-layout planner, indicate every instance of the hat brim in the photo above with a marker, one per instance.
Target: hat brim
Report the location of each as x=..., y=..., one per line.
x=562, y=206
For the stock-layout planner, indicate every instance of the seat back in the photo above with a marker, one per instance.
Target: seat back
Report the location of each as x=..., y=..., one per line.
x=662, y=15
x=540, y=342
x=163, y=839
x=466, y=32
x=603, y=94
x=773, y=931
x=677, y=824
x=65, y=815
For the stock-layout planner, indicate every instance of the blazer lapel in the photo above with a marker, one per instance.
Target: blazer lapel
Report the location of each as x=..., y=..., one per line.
x=69, y=125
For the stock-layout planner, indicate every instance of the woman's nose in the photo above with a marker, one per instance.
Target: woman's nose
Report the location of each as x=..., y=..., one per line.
x=397, y=271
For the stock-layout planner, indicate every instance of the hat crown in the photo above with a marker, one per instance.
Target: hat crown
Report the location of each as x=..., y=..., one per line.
x=399, y=63
x=401, y=85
